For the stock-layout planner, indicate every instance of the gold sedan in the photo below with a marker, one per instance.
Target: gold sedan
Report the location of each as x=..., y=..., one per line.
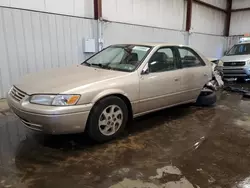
x=117, y=83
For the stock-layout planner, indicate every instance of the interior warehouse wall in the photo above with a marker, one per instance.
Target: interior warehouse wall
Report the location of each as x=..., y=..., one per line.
x=240, y=22
x=32, y=41
x=208, y=21
x=164, y=21
x=82, y=8
x=126, y=33
x=207, y=29
x=156, y=13
x=211, y=46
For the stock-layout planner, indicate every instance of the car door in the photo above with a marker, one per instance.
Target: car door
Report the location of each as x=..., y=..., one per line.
x=194, y=73
x=160, y=84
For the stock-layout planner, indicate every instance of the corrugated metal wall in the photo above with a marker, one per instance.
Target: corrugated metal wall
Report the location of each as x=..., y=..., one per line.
x=217, y=3
x=125, y=33
x=83, y=8
x=156, y=13
x=237, y=4
x=164, y=21
x=207, y=20
x=210, y=46
x=33, y=41
x=232, y=40
x=240, y=22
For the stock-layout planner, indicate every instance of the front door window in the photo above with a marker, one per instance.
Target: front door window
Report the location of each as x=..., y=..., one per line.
x=162, y=60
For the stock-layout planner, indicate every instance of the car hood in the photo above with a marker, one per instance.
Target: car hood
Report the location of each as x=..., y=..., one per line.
x=212, y=58
x=61, y=80
x=231, y=58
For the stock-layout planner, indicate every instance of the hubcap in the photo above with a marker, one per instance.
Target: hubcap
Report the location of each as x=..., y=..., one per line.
x=110, y=120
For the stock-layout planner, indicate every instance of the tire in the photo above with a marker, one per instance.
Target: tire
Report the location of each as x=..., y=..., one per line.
x=206, y=99
x=101, y=112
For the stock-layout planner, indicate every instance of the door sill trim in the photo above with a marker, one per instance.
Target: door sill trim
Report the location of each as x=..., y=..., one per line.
x=157, y=109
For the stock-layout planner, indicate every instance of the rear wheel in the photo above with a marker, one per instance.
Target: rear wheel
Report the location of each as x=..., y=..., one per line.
x=107, y=119
x=206, y=99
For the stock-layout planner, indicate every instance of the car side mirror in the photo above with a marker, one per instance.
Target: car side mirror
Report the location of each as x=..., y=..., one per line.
x=145, y=70
x=225, y=53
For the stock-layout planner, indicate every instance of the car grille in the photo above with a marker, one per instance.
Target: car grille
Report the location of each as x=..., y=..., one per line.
x=17, y=94
x=232, y=64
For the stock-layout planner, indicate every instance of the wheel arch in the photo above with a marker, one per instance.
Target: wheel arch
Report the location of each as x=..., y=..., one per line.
x=117, y=93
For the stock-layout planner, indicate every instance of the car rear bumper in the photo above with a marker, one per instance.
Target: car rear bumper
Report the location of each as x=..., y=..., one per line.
x=236, y=71
x=51, y=120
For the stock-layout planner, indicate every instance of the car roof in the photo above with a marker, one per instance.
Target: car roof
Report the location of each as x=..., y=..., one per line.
x=248, y=42
x=152, y=44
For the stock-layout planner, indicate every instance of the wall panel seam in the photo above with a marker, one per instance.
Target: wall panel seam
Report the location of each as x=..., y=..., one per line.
x=16, y=46
x=148, y=26
x=44, y=12
x=33, y=41
x=25, y=44
x=6, y=47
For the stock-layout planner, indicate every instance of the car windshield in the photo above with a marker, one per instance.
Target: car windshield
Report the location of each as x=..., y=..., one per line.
x=120, y=57
x=239, y=49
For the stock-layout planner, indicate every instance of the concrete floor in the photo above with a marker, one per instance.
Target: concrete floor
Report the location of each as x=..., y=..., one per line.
x=182, y=147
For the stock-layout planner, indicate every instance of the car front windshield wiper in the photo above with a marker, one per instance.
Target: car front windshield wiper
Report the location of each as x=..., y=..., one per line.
x=104, y=66
x=86, y=63
x=95, y=64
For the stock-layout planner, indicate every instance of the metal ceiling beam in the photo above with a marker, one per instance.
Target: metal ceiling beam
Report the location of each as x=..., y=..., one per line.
x=241, y=9
x=97, y=9
x=189, y=14
x=228, y=17
x=210, y=6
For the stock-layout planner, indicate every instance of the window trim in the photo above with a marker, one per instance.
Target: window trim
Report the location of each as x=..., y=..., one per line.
x=194, y=53
x=175, y=56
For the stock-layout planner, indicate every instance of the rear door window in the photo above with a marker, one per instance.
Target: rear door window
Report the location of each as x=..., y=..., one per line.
x=189, y=58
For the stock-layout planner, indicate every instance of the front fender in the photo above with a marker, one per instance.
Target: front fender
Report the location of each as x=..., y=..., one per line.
x=108, y=92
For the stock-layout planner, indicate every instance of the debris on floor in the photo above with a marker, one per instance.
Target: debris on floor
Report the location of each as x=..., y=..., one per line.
x=245, y=92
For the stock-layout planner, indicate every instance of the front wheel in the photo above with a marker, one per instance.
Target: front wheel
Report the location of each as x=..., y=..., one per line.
x=107, y=119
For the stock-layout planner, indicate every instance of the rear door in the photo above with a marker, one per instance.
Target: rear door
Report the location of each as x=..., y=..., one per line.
x=195, y=73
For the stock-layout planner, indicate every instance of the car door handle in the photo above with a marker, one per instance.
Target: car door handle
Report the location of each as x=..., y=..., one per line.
x=205, y=74
x=176, y=79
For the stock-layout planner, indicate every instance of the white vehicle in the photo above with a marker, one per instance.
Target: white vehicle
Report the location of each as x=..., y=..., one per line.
x=236, y=62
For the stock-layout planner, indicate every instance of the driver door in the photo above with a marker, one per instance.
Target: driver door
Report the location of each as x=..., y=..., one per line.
x=161, y=85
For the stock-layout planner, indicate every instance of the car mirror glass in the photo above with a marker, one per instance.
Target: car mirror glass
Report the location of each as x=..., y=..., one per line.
x=145, y=71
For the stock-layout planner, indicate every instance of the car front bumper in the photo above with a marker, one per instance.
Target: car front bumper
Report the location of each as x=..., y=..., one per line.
x=51, y=119
x=236, y=71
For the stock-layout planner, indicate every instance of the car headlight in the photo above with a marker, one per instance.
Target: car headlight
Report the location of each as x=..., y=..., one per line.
x=55, y=100
x=220, y=63
x=248, y=62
